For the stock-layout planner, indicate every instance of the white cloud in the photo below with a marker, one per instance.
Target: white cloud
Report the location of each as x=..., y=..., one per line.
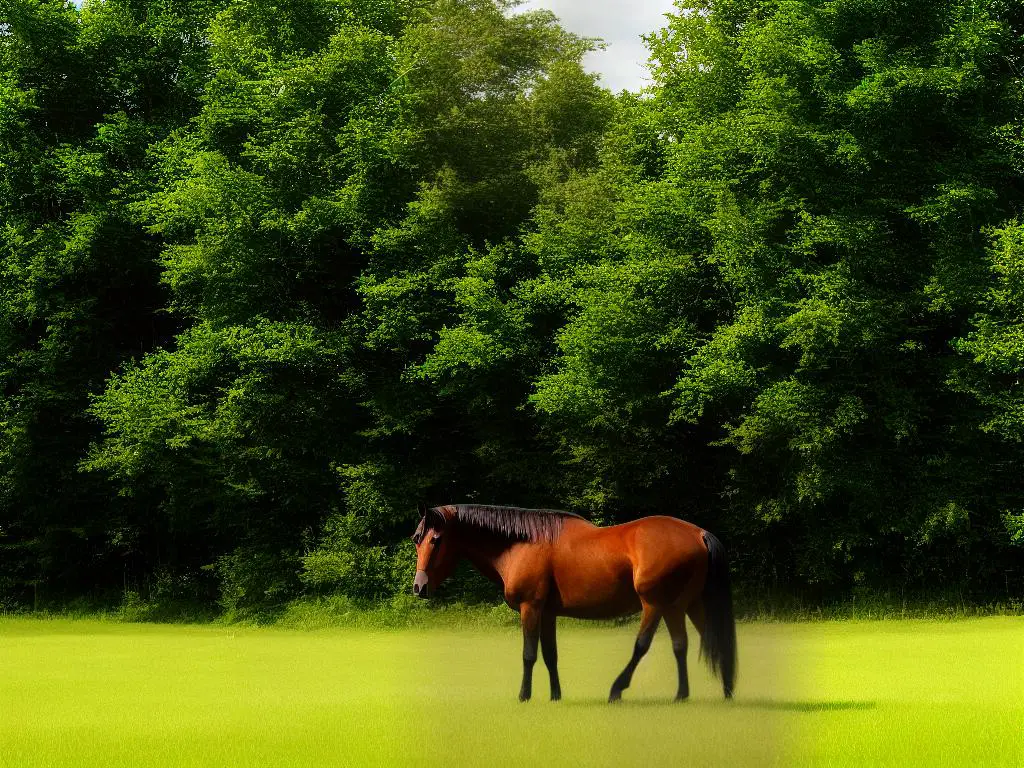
x=623, y=64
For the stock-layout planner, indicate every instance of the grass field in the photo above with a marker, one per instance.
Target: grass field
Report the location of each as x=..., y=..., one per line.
x=84, y=693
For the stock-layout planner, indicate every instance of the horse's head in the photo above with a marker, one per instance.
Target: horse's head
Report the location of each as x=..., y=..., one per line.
x=434, y=559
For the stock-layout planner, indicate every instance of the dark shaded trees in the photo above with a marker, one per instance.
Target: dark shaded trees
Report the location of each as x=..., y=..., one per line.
x=83, y=94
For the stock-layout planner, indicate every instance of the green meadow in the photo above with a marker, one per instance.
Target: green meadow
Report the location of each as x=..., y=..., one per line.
x=93, y=693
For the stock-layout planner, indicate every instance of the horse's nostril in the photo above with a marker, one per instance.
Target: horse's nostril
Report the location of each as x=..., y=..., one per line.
x=420, y=585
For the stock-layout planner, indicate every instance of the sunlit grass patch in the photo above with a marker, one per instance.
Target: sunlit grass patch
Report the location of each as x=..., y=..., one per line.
x=80, y=693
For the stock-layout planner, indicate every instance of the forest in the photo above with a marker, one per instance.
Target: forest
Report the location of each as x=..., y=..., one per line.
x=273, y=273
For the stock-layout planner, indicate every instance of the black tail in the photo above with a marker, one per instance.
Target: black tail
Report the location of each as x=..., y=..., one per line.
x=718, y=643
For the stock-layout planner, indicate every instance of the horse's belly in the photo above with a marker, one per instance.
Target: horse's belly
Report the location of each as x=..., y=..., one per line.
x=597, y=598
x=609, y=610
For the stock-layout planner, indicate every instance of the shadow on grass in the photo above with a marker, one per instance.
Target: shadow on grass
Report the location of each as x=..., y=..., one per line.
x=774, y=705
x=803, y=706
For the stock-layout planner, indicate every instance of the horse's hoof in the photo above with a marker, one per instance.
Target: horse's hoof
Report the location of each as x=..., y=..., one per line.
x=556, y=697
x=683, y=698
x=614, y=696
x=524, y=697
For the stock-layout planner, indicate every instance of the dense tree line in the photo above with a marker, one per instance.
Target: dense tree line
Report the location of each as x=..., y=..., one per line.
x=272, y=273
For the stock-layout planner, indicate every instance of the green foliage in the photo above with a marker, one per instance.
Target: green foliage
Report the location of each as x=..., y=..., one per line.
x=346, y=558
x=271, y=275
x=850, y=179
x=251, y=579
x=83, y=93
x=996, y=345
x=314, y=213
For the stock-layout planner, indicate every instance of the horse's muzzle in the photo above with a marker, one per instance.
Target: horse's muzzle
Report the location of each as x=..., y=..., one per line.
x=420, y=585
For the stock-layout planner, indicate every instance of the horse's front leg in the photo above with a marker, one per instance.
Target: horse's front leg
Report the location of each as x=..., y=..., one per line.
x=549, y=649
x=531, y=618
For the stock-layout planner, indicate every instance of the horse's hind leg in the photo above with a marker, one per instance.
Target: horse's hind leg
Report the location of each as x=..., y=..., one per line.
x=675, y=620
x=549, y=650
x=648, y=625
x=696, y=614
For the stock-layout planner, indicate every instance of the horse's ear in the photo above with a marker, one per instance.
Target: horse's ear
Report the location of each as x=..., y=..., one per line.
x=422, y=509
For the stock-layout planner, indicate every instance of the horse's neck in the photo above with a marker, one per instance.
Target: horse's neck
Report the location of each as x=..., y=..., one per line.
x=488, y=552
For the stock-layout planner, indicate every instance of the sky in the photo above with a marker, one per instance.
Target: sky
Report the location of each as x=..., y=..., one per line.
x=619, y=23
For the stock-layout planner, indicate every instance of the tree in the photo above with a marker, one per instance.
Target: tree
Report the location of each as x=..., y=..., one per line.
x=82, y=95
x=320, y=213
x=849, y=178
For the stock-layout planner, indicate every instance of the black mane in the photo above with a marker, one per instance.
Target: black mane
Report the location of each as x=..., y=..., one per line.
x=513, y=522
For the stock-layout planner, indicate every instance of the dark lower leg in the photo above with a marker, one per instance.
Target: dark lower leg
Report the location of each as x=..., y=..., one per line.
x=684, y=683
x=675, y=620
x=531, y=621
x=549, y=649
x=625, y=677
x=526, y=689
x=648, y=624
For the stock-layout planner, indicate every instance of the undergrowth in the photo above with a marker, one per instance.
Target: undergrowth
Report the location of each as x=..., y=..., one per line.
x=407, y=612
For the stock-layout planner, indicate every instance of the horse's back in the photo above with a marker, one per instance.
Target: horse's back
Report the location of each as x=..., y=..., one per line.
x=603, y=572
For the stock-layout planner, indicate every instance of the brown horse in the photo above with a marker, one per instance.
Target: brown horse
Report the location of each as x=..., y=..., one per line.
x=551, y=563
